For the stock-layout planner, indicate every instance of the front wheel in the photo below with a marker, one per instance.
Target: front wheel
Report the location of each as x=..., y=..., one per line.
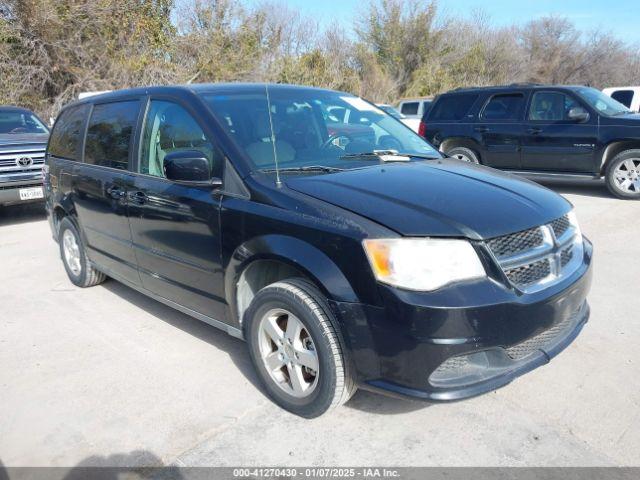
x=623, y=175
x=296, y=349
x=464, y=154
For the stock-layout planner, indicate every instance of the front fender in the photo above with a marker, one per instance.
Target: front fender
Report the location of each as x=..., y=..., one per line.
x=295, y=252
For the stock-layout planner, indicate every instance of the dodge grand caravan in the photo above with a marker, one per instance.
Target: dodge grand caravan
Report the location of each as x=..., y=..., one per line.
x=345, y=259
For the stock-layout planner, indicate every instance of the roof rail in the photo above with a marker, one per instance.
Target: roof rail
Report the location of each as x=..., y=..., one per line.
x=525, y=84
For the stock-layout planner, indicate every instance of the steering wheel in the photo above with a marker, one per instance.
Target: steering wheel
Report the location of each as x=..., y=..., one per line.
x=332, y=138
x=19, y=130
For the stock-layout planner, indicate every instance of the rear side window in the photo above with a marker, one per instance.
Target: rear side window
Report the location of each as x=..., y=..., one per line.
x=507, y=107
x=66, y=137
x=452, y=107
x=409, y=108
x=623, y=96
x=110, y=133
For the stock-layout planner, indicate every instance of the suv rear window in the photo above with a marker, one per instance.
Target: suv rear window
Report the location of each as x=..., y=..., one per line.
x=504, y=107
x=623, y=96
x=452, y=107
x=66, y=137
x=109, y=134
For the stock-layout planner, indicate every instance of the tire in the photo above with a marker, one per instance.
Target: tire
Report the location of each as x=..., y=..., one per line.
x=623, y=175
x=464, y=154
x=79, y=269
x=271, y=312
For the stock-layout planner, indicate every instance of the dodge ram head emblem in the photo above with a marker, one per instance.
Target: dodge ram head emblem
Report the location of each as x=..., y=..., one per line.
x=24, y=161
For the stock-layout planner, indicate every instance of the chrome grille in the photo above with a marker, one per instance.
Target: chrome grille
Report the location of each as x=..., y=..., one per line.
x=534, y=258
x=566, y=255
x=560, y=225
x=10, y=155
x=530, y=273
x=516, y=242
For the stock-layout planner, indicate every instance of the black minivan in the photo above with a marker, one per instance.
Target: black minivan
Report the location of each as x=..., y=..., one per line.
x=542, y=132
x=339, y=244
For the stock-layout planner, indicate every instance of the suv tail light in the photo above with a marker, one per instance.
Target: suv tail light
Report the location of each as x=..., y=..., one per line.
x=422, y=129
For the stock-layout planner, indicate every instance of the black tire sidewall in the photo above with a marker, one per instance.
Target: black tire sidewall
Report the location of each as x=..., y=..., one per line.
x=78, y=280
x=617, y=160
x=321, y=398
x=466, y=152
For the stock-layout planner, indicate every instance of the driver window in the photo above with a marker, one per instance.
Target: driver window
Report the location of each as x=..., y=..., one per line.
x=170, y=128
x=551, y=106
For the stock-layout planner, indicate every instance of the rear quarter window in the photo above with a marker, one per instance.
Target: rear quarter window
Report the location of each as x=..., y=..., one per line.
x=452, y=107
x=110, y=133
x=68, y=132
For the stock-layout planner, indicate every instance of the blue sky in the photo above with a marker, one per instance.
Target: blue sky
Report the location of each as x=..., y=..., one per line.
x=621, y=17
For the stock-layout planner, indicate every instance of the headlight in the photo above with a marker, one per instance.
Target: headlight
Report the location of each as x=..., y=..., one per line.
x=422, y=263
x=573, y=221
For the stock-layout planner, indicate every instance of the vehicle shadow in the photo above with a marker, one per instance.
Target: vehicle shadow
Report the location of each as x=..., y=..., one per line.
x=138, y=464
x=383, y=405
x=16, y=214
x=234, y=347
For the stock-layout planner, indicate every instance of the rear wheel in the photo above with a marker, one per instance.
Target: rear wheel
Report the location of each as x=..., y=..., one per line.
x=623, y=175
x=79, y=269
x=296, y=349
x=464, y=154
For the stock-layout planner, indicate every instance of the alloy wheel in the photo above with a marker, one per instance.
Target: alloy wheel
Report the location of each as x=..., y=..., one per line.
x=71, y=252
x=288, y=352
x=627, y=176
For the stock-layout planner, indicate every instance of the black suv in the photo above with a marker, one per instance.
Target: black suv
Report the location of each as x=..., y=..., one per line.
x=541, y=131
x=344, y=256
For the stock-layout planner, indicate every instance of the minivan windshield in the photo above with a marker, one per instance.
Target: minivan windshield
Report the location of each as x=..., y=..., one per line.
x=602, y=103
x=312, y=128
x=19, y=121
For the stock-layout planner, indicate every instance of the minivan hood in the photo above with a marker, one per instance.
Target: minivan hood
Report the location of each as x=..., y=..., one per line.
x=437, y=198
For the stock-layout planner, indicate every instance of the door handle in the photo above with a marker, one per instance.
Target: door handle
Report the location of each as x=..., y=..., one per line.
x=138, y=197
x=116, y=193
x=481, y=129
x=534, y=130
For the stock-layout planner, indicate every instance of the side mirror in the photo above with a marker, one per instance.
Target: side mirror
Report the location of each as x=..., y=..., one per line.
x=578, y=114
x=189, y=166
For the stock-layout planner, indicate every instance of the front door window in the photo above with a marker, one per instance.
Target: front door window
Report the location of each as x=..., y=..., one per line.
x=170, y=128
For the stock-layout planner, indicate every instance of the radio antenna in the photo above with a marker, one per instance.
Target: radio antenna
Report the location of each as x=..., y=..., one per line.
x=273, y=136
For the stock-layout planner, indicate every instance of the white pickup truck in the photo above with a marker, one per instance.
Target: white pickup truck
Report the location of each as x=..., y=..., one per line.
x=628, y=96
x=413, y=109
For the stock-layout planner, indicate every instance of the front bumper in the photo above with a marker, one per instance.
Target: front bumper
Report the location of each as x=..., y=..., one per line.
x=10, y=186
x=396, y=349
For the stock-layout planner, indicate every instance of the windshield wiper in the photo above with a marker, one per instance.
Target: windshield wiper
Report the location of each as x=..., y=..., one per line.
x=384, y=155
x=306, y=168
x=421, y=155
x=389, y=156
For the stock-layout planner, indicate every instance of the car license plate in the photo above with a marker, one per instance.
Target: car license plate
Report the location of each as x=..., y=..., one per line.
x=30, y=193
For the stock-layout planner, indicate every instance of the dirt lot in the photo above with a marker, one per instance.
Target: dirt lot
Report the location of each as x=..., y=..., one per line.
x=106, y=376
